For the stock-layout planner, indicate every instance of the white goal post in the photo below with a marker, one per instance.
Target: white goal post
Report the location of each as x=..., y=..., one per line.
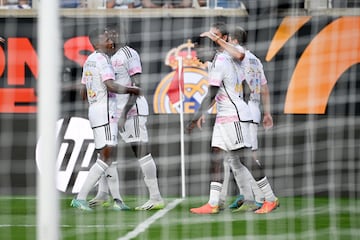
x=48, y=112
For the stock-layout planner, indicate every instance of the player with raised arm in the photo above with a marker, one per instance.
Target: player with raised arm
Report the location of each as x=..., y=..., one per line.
x=258, y=93
x=130, y=119
x=237, y=53
x=98, y=86
x=257, y=194
x=231, y=129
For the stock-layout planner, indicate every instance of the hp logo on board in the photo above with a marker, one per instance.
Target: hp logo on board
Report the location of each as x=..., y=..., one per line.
x=76, y=153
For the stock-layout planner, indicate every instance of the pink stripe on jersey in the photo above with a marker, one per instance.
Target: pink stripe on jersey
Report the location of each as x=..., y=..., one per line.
x=226, y=119
x=221, y=97
x=107, y=76
x=220, y=58
x=215, y=82
x=135, y=70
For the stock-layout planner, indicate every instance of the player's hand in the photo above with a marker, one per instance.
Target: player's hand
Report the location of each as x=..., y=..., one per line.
x=134, y=90
x=190, y=126
x=210, y=35
x=200, y=122
x=2, y=40
x=267, y=121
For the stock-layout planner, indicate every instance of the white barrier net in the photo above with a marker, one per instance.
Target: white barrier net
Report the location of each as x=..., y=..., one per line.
x=310, y=156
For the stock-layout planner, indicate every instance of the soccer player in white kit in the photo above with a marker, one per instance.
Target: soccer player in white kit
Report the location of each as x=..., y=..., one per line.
x=129, y=119
x=98, y=86
x=258, y=92
x=231, y=130
x=250, y=69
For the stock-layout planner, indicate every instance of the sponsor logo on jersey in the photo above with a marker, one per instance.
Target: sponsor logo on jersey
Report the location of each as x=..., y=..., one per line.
x=76, y=153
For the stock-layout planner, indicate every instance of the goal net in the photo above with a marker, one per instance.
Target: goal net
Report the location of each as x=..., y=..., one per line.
x=311, y=155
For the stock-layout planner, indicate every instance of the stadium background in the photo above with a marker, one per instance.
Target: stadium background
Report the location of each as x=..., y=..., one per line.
x=305, y=154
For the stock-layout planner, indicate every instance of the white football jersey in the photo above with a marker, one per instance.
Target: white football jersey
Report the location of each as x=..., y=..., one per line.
x=126, y=63
x=223, y=73
x=96, y=70
x=255, y=77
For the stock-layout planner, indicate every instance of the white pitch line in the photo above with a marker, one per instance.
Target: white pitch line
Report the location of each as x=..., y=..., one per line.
x=146, y=224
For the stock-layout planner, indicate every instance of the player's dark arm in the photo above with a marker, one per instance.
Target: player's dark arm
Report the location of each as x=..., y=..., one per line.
x=131, y=101
x=83, y=92
x=135, y=79
x=206, y=103
x=117, y=88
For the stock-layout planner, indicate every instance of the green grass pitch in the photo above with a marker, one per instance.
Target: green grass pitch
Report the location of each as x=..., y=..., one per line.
x=296, y=218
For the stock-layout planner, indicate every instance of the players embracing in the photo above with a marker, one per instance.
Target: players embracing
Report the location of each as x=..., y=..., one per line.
x=235, y=129
x=111, y=80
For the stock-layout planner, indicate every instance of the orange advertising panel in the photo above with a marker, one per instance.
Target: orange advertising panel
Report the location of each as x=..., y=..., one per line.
x=19, y=65
x=330, y=49
x=331, y=52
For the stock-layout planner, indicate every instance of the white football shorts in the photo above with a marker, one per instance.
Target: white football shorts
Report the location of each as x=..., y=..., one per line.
x=135, y=130
x=231, y=136
x=253, y=136
x=103, y=136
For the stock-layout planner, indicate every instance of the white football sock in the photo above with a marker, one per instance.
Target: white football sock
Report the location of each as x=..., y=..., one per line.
x=103, y=189
x=258, y=194
x=153, y=187
x=148, y=167
x=265, y=187
x=95, y=173
x=242, y=177
x=215, y=189
x=112, y=178
x=225, y=186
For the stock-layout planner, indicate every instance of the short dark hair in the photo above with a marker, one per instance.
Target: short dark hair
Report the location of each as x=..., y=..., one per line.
x=94, y=35
x=117, y=34
x=240, y=35
x=205, y=48
x=222, y=28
